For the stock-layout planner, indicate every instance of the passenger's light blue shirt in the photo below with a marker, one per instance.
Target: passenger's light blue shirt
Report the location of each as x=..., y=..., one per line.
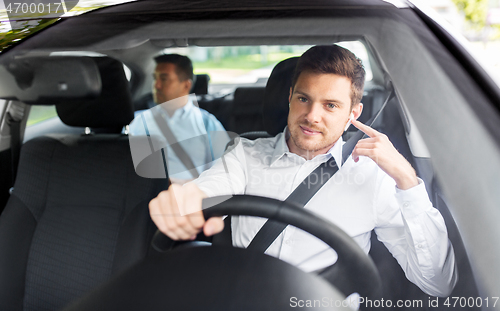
x=189, y=125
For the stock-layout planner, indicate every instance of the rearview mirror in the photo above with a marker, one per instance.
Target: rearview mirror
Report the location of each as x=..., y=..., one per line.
x=44, y=80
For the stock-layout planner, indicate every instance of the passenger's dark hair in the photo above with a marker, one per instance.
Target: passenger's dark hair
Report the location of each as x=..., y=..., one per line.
x=183, y=65
x=337, y=60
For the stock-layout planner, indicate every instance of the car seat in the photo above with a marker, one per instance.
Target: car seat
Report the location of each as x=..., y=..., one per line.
x=200, y=85
x=78, y=213
x=246, y=113
x=275, y=103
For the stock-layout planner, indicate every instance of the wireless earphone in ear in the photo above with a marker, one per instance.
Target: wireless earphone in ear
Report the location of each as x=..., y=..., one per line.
x=347, y=125
x=348, y=122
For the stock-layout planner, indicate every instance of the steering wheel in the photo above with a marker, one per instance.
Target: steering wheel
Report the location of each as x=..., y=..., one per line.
x=230, y=278
x=354, y=271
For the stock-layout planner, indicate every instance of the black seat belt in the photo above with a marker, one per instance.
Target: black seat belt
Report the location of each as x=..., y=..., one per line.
x=306, y=190
x=176, y=146
x=301, y=195
x=15, y=115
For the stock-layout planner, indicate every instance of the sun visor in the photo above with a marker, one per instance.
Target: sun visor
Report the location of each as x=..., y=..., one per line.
x=45, y=80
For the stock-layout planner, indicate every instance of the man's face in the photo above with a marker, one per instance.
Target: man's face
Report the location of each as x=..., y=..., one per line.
x=166, y=83
x=320, y=107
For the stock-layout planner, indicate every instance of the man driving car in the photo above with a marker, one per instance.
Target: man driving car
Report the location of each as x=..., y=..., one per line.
x=375, y=189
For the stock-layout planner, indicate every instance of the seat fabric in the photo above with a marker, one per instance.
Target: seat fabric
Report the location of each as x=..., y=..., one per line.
x=247, y=109
x=275, y=104
x=78, y=215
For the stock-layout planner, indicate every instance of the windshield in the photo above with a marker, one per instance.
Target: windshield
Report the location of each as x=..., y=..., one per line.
x=251, y=65
x=20, y=19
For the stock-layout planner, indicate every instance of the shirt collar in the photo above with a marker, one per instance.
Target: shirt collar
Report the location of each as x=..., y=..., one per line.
x=281, y=149
x=184, y=110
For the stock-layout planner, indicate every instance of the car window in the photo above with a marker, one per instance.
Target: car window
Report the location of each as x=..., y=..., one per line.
x=41, y=113
x=251, y=64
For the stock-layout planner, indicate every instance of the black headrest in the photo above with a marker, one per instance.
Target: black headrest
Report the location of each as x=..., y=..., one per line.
x=275, y=104
x=200, y=84
x=112, y=109
x=248, y=100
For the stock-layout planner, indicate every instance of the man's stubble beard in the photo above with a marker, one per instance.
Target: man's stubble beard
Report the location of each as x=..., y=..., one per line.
x=323, y=143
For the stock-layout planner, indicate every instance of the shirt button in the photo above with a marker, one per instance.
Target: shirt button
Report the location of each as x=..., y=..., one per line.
x=406, y=204
x=419, y=245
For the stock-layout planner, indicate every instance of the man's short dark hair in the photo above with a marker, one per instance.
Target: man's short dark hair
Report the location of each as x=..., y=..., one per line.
x=183, y=65
x=337, y=60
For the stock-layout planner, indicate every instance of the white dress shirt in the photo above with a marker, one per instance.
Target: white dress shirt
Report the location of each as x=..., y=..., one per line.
x=359, y=198
x=198, y=132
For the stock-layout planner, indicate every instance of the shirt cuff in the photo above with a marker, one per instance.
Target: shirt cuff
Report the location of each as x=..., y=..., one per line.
x=414, y=201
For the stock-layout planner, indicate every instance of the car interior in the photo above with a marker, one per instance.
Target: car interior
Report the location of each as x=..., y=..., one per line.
x=73, y=202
